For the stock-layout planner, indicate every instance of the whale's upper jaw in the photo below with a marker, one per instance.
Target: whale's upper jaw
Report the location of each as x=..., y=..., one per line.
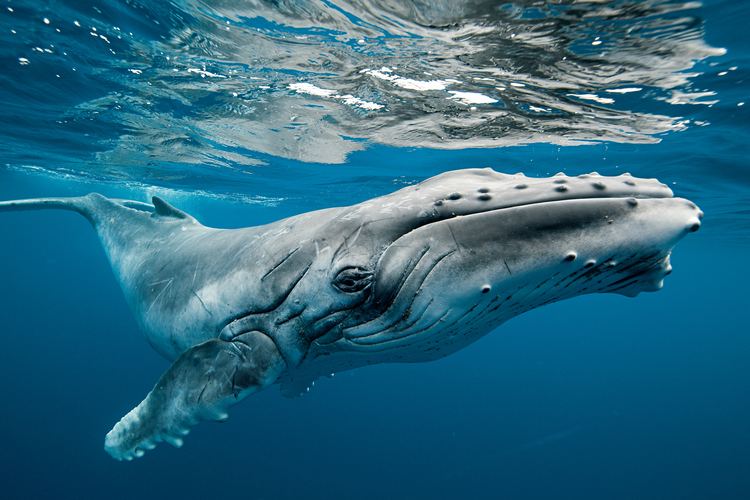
x=472, y=191
x=483, y=191
x=468, y=191
x=515, y=201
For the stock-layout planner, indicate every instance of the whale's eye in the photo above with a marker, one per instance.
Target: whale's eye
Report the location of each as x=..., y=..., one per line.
x=353, y=279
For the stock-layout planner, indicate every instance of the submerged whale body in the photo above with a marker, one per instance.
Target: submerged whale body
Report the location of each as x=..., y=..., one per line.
x=411, y=276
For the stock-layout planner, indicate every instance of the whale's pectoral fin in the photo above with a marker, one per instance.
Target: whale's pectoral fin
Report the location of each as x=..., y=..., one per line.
x=201, y=385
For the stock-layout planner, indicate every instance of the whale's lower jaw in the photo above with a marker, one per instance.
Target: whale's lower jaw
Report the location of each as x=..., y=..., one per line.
x=440, y=332
x=424, y=326
x=488, y=267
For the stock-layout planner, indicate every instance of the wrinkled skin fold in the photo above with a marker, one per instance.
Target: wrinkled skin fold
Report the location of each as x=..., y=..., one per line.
x=408, y=277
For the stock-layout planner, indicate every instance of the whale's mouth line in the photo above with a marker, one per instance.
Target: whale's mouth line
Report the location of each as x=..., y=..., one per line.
x=535, y=203
x=631, y=200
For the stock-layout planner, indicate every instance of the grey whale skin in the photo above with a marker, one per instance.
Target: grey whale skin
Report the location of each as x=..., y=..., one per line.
x=411, y=276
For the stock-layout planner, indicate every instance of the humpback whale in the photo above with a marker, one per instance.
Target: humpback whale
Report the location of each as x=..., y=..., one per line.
x=407, y=277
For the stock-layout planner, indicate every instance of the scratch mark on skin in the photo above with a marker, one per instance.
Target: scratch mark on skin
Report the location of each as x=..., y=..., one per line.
x=319, y=250
x=507, y=267
x=195, y=273
x=188, y=240
x=280, y=263
x=355, y=233
x=458, y=247
x=200, y=396
x=159, y=282
x=346, y=244
x=156, y=299
x=202, y=303
x=355, y=238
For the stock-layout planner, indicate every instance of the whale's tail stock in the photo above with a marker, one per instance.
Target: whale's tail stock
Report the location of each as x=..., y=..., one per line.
x=120, y=224
x=76, y=204
x=90, y=206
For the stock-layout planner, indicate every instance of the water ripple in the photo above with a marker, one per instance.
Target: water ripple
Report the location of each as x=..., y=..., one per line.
x=132, y=88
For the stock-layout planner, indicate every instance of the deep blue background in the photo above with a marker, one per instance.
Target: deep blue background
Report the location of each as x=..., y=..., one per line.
x=600, y=397
x=596, y=397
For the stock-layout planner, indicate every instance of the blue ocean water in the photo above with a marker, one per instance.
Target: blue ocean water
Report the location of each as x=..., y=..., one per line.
x=242, y=113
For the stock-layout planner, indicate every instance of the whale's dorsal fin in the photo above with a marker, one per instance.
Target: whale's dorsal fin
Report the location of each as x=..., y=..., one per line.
x=164, y=209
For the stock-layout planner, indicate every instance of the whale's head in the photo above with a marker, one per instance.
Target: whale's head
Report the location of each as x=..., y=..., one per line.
x=438, y=264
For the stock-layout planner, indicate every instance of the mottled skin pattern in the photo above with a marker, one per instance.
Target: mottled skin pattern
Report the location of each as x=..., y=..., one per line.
x=411, y=276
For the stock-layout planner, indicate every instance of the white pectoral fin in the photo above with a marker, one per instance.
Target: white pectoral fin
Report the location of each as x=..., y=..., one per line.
x=201, y=385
